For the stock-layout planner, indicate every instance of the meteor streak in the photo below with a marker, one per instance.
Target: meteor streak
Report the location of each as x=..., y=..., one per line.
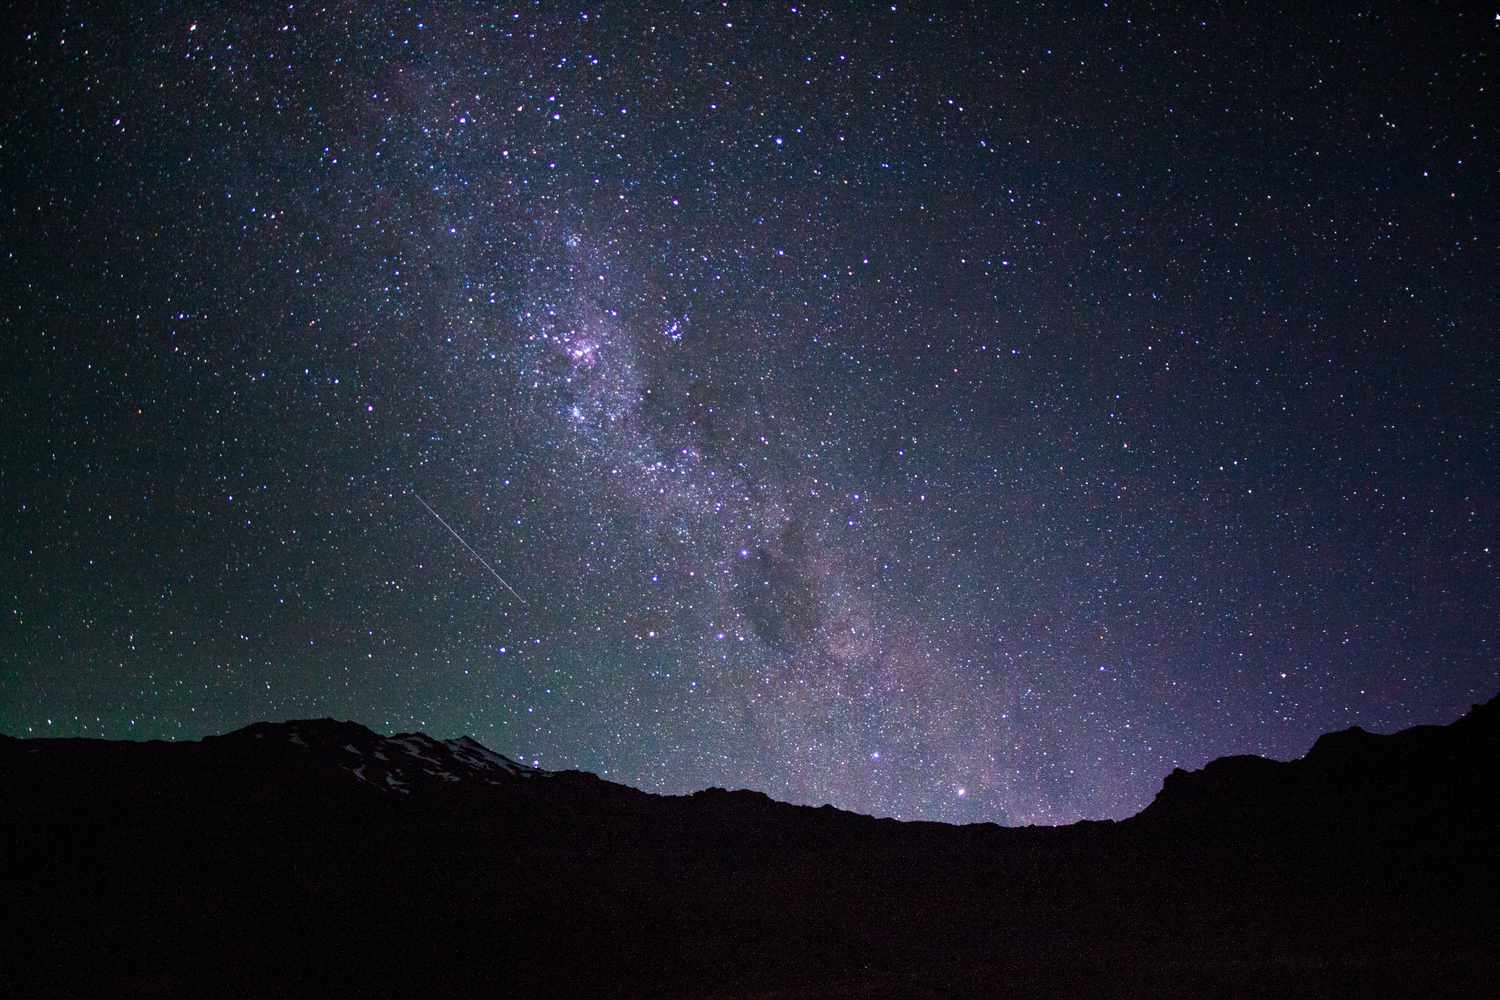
x=466, y=545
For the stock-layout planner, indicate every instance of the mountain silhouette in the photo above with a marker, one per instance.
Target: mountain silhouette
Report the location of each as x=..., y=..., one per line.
x=318, y=858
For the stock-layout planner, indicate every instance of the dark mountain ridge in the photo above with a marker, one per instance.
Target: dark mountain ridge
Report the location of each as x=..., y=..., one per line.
x=318, y=857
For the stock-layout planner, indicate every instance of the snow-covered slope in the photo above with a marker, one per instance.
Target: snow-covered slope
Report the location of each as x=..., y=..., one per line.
x=396, y=764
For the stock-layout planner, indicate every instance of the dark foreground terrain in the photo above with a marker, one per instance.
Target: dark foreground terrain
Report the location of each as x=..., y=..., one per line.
x=313, y=859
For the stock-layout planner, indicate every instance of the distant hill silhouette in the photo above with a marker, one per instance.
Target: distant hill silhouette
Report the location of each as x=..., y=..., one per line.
x=318, y=858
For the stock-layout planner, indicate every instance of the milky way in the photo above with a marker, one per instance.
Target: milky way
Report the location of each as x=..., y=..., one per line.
x=963, y=415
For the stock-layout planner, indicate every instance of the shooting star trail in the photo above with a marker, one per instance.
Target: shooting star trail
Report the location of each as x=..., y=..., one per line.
x=466, y=545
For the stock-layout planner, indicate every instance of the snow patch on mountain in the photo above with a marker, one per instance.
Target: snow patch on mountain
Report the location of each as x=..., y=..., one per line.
x=403, y=764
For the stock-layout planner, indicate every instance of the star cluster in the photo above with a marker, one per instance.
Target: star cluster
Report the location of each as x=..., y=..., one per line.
x=943, y=412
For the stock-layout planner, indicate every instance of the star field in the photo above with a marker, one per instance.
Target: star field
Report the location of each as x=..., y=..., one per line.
x=947, y=413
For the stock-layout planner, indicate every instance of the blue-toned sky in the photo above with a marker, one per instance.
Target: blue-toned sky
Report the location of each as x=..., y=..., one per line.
x=945, y=414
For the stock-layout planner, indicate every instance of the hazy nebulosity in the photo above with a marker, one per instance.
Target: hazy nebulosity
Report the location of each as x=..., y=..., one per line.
x=961, y=415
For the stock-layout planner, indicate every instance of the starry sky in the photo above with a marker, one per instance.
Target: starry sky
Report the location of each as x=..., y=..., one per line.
x=947, y=413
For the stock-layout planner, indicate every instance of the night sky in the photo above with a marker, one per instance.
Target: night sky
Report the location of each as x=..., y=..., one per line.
x=963, y=416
